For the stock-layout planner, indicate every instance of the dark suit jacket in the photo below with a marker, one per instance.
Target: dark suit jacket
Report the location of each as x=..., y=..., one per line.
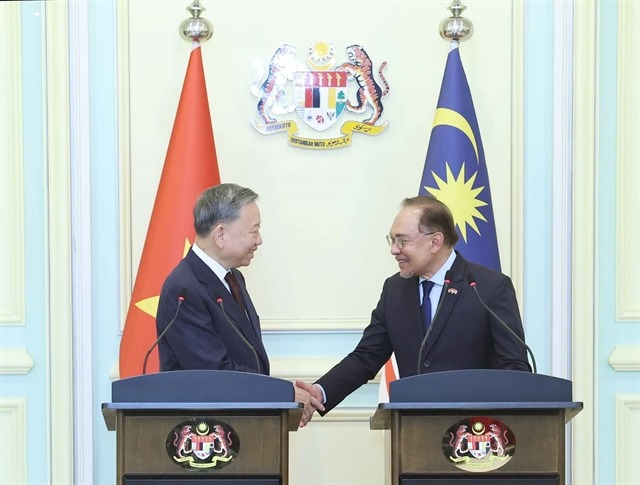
x=464, y=334
x=201, y=337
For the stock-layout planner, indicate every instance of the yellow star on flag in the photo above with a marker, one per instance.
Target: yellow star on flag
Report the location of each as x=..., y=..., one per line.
x=461, y=198
x=150, y=305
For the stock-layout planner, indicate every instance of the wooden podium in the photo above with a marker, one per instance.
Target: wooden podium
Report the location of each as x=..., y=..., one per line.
x=202, y=427
x=477, y=427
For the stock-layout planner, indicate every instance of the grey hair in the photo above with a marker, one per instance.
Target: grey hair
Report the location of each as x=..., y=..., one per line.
x=434, y=216
x=220, y=203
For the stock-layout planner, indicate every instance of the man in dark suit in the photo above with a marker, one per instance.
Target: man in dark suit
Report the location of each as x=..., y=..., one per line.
x=217, y=326
x=227, y=224
x=464, y=334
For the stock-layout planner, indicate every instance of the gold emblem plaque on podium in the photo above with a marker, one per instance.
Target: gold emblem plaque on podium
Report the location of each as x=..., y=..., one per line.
x=469, y=427
x=202, y=427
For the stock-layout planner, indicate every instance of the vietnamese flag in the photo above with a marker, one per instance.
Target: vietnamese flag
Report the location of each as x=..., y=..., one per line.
x=190, y=167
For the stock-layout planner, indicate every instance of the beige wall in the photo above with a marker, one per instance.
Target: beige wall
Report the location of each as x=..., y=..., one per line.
x=324, y=211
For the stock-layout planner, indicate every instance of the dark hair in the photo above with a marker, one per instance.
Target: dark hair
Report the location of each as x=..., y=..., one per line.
x=434, y=216
x=220, y=203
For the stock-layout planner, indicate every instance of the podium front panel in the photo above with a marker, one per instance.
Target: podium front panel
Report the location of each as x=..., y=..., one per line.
x=201, y=481
x=144, y=435
x=501, y=480
x=539, y=448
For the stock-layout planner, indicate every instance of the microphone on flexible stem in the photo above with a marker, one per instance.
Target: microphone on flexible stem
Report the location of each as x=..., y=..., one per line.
x=447, y=282
x=220, y=302
x=181, y=296
x=472, y=283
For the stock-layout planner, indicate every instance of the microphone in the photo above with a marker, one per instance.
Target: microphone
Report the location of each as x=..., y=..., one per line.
x=220, y=302
x=472, y=283
x=181, y=296
x=447, y=282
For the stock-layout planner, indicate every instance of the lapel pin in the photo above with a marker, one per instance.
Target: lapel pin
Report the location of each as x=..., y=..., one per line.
x=453, y=291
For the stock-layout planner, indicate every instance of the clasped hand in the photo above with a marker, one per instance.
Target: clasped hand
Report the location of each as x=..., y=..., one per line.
x=311, y=396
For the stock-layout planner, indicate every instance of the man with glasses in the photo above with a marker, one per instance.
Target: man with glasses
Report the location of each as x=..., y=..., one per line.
x=463, y=334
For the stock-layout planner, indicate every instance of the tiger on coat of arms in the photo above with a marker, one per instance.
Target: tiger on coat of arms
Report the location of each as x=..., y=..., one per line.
x=360, y=68
x=282, y=67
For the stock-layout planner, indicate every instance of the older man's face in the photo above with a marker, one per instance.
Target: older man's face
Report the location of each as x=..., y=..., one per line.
x=242, y=237
x=412, y=249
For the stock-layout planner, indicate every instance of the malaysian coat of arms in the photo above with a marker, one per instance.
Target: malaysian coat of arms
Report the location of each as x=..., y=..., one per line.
x=320, y=93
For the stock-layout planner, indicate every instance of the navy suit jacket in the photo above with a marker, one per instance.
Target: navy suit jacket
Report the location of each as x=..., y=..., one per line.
x=201, y=337
x=464, y=334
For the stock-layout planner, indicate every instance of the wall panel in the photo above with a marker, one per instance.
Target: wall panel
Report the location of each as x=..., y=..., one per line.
x=324, y=214
x=13, y=445
x=627, y=426
x=628, y=169
x=12, y=276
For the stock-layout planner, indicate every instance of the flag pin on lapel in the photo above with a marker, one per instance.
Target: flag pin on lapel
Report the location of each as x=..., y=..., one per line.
x=453, y=291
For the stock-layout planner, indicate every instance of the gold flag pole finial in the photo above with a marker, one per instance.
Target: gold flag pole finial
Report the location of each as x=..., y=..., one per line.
x=456, y=27
x=196, y=28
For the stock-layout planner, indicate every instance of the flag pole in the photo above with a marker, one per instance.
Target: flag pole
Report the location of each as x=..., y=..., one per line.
x=456, y=28
x=196, y=28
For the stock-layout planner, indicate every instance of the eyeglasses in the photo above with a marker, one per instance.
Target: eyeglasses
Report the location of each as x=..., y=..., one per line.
x=401, y=242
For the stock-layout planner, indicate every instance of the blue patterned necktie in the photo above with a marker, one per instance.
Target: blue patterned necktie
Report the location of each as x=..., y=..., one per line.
x=426, y=304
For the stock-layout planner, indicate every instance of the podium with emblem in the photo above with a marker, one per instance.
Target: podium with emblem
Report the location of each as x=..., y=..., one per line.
x=202, y=427
x=478, y=427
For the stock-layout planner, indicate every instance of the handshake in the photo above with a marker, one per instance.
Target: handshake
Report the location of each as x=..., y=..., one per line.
x=312, y=397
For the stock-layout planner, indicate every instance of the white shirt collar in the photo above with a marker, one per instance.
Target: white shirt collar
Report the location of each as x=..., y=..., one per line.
x=219, y=270
x=438, y=277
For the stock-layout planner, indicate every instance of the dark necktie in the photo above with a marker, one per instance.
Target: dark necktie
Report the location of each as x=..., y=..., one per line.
x=426, y=304
x=235, y=288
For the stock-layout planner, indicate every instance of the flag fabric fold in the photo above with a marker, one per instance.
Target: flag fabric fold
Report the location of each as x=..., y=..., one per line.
x=455, y=172
x=389, y=374
x=190, y=167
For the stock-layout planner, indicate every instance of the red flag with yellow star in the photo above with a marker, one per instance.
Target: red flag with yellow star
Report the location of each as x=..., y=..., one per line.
x=190, y=167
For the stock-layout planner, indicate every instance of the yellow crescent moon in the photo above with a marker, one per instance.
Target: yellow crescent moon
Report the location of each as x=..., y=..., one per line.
x=322, y=67
x=477, y=428
x=202, y=429
x=445, y=116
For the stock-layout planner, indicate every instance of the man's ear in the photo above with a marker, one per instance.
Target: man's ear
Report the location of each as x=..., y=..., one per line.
x=437, y=241
x=218, y=235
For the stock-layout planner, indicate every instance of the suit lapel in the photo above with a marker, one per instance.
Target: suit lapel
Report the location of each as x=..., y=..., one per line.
x=449, y=298
x=248, y=322
x=250, y=309
x=409, y=316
